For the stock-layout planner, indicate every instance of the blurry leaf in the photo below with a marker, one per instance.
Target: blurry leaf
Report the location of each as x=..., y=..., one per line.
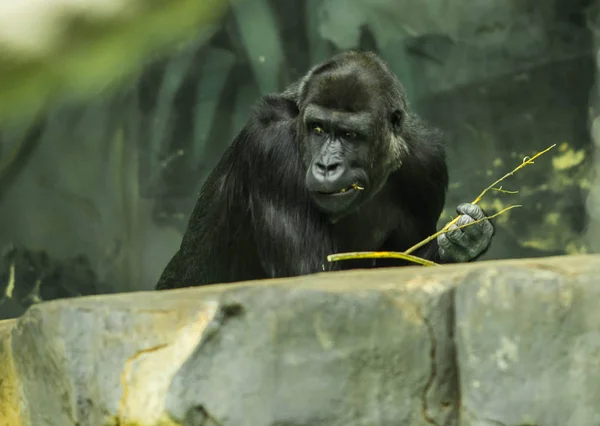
x=175, y=73
x=54, y=48
x=25, y=140
x=260, y=36
x=215, y=70
x=318, y=46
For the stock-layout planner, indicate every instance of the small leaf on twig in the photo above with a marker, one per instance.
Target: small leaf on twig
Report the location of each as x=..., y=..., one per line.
x=504, y=191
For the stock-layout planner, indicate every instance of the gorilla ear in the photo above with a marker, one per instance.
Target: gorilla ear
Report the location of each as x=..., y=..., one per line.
x=397, y=120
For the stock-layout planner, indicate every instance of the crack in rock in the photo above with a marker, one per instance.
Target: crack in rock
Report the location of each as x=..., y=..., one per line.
x=125, y=374
x=200, y=416
x=433, y=371
x=490, y=420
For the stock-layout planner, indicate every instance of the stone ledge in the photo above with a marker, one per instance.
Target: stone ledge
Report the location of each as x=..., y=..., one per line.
x=490, y=343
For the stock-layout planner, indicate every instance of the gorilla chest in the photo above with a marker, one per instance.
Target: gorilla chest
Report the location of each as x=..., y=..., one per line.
x=366, y=230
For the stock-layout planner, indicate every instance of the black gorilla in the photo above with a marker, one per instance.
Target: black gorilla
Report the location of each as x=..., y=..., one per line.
x=335, y=163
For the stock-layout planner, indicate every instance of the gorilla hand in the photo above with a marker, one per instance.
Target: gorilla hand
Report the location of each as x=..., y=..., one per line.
x=470, y=242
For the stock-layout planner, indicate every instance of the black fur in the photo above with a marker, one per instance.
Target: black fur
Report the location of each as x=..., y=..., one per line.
x=255, y=217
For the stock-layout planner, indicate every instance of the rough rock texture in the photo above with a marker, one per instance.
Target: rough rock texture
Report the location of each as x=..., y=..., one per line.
x=10, y=407
x=489, y=343
x=529, y=345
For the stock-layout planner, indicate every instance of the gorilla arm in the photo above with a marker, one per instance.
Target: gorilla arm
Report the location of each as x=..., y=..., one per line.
x=291, y=236
x=253, y=219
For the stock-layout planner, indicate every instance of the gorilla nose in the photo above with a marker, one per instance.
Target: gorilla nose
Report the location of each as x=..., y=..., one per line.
x=328, y=172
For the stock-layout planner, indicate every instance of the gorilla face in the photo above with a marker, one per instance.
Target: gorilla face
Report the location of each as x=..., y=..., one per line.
x=336, y=176
x=348, y=137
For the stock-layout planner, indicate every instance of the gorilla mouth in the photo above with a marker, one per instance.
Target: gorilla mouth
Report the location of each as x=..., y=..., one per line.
x=336, y=202
x=348, y=189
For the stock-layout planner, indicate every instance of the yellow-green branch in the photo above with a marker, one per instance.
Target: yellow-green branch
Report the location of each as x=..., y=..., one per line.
x=379, y=255
x=524, y=163
x=447, y=228
x=415, y=259
x=405, y=255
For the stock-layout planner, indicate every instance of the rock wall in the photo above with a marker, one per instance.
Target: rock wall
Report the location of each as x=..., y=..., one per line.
x=489, y=343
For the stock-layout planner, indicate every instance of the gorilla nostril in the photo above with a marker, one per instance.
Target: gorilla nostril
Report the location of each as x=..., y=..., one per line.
x=334, y=171
x=331, y=168
x=328, y=169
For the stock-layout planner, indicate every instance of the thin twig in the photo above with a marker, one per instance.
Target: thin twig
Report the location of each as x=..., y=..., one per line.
x=504, y=191
x=526, y=161
x=447, y=228
x=405, y=255
x=379, y=255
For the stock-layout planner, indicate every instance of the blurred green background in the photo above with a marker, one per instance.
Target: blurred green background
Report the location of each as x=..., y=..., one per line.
x=107, y=136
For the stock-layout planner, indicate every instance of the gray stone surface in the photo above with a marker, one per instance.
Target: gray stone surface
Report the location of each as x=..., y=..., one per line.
x=314, y=357
x=529, y=346
x=342, y=349
x=487, y=343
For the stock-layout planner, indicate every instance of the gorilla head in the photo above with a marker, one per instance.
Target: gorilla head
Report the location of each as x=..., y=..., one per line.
x=350, y=123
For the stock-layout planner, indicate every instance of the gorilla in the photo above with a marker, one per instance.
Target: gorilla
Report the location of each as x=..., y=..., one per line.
x=335, y=163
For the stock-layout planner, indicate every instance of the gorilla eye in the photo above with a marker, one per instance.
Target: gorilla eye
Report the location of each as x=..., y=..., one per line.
x=317, y=129
x=350, y=135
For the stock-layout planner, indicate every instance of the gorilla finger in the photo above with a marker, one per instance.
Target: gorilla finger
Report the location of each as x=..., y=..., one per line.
x=452, y=252
x=458, y=237
x=453, y=233
x=482, y=240
x=442, y=252
x=472, y=210
x=464, y=219
x=444, y=243
x=475, y=230
x=487, y=228
x=478, y=247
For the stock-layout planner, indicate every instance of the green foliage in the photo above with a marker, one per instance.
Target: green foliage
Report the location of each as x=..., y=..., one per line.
x=93, y=51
